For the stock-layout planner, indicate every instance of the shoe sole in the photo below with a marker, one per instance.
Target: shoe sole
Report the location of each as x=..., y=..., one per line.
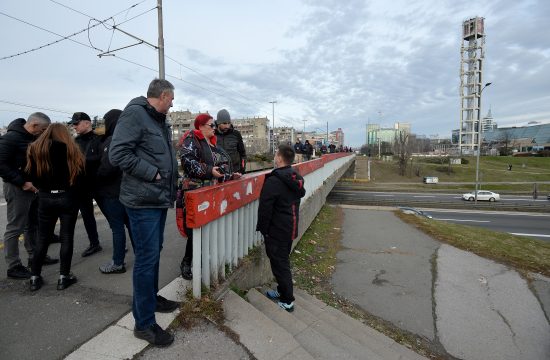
x=18, y=277
x=144, y=338
x=66, y=286
x=112, y=272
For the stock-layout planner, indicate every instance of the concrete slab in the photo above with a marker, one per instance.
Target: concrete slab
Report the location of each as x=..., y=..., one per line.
x=116, y=342
x=541, y=288
x=386, y=269
x=486, y=311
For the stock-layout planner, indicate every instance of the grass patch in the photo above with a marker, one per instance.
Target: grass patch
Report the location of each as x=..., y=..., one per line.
x=194, y=310
x=522, y=253
x=313, y=263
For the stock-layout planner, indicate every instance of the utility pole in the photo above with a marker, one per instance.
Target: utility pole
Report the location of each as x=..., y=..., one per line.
x=161, y=41
x=304, y=132
x=273, y=128
x=327, y=133
x=479, y=130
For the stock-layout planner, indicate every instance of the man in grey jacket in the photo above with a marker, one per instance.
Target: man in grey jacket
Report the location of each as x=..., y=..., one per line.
x=141, y=146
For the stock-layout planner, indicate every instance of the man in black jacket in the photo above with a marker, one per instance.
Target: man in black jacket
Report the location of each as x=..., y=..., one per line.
x=231, y=141
x=19, y=192
x=278, y=217
x=90, y=144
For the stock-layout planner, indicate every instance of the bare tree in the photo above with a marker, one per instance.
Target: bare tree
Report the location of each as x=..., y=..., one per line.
x=505, y=139
x=403, y=150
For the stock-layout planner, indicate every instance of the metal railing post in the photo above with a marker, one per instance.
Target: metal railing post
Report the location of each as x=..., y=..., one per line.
x=197, y=247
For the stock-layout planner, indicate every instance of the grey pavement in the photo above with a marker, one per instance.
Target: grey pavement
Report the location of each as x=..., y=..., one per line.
x=472, y=307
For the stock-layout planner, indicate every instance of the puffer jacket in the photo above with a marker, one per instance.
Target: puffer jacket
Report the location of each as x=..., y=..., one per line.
x=141, y=146
x=13, y=153
x=279, y=207
x=232, y=142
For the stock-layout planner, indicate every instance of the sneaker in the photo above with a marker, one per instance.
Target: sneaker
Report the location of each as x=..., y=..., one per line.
x=272, y=294
x=65, y=281
x=166, y=306
x=92, y=249
x=111, y=268
x=154, y=335
x=287, y=307
x=19, y=272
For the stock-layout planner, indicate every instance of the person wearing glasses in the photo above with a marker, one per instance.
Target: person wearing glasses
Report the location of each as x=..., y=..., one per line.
x=204, y=163
x=142, y=147
x=231, y=141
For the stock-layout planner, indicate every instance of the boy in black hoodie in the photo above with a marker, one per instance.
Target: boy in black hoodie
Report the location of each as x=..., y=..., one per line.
x=278, y=216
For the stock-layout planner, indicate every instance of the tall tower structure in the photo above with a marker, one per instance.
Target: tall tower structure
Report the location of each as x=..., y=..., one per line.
x=472, y=53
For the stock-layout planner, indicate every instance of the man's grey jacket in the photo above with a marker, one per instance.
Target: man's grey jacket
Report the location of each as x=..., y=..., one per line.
x=142, y=148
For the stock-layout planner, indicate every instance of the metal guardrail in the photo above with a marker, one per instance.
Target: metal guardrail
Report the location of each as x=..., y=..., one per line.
x=223, y=217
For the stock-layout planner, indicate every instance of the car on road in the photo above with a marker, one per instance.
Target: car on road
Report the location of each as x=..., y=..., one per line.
x=482, y=195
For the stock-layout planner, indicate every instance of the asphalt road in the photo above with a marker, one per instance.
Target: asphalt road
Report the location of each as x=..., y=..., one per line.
x=535, y=225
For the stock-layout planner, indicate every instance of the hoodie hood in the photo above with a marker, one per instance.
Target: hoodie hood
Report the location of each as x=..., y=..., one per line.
x=292, y=179
x=111, y=119
x=17, y=126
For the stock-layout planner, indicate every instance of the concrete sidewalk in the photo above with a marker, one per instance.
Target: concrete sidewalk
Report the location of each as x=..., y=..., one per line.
x=467, y=306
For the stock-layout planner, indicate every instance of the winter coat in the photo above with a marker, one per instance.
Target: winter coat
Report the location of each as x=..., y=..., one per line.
x=308, y=149
x=232, y=142
x=279, y=208
x=198, y=158
x=298, y=148
x=13, y=153
x=90, y=144
x=142, y=147
x=108, y=176
x=58, y=177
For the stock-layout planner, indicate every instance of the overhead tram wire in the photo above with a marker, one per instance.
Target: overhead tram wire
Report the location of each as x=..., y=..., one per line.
x=34, y=107
x=68, y=37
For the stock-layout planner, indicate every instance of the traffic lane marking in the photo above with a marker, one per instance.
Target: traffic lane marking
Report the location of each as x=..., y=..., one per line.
x=536, y=235
x=464, y=220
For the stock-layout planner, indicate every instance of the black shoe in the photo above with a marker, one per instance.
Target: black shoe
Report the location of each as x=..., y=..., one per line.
x=65, y=281
x=166, y=306
x=155, y=335
x=19, y=272
x=36, y=283
x=186, y=271
x=50, y=261
x=92, y=249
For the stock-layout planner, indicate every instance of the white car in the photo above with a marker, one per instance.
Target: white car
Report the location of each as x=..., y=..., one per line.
x=481, y=195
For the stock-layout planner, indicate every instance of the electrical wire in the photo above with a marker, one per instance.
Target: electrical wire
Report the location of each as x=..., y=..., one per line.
x=34, y=107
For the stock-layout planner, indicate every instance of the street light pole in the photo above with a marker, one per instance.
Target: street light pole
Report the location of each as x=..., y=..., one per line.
x=304, y=132
x=160, y=41
x=273, y=127
x=479, y=130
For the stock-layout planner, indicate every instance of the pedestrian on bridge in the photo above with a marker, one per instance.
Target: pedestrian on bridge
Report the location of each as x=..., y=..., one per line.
x=20, y=192
x=278, y=218
x=55, y=165
x=142, y=147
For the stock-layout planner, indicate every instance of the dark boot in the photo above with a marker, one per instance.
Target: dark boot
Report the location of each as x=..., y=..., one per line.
x=186, y=271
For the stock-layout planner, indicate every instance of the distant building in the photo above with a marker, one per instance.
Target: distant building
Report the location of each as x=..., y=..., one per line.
x=488, y=123
x=255, y=134
x=519, y=139
x=376, y=134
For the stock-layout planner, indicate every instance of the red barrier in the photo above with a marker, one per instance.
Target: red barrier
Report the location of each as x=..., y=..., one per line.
x=209, y=203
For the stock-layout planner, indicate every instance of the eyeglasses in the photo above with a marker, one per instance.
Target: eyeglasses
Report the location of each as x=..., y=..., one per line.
x=211, y=125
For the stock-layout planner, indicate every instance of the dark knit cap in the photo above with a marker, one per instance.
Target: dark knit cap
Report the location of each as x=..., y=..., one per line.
x=111, y=119
x=79, y=116
x=223, y=117
x=201, y=120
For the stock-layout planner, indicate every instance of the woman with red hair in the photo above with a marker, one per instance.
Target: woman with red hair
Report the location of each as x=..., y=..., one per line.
x=55, y=165
x=203, y=164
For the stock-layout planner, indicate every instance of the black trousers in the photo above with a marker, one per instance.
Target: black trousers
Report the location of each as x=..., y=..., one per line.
x=51, y=207
x=188, y=257
x=278, y=252
x=86, y=207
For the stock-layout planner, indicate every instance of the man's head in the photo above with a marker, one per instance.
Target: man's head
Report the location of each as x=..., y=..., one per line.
x=81, y=122
x=161, y=95
x=37, y=123
x=223, y=120
x=284, y=156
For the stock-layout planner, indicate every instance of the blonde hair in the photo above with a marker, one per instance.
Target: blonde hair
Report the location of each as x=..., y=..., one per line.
x=39, y=152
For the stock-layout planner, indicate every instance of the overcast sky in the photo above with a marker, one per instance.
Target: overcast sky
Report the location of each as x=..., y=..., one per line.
x=345, y=62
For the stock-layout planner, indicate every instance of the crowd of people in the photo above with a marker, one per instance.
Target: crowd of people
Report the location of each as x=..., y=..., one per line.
x=304, y=151
x=131, y=171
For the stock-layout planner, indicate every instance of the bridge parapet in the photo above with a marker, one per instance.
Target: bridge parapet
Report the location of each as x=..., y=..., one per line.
x=223, y=217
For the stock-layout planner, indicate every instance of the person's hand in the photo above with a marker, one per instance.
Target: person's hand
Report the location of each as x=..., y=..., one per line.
x=236, y=175
x=216, y=172
x=28, y=186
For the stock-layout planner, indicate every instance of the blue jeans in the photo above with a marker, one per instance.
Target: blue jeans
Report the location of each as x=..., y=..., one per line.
x=148, y=233
x=115, y=213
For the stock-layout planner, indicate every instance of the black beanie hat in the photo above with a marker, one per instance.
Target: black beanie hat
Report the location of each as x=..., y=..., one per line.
x=223, y=117
x=79, y=116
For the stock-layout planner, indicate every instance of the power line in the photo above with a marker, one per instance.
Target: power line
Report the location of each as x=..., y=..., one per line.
x=68, y=37
x=34, y=107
